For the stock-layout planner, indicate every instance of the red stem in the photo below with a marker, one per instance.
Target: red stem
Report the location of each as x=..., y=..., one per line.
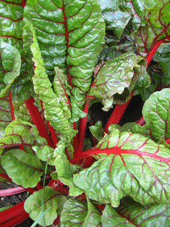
x=53, y=135
x=23, y=3
x=12, y=109
x=37, y=120
x=167, y=141
x=141, y=121
x=14, y=215
x=82, y=130
x=117, y=114
x=154, y=49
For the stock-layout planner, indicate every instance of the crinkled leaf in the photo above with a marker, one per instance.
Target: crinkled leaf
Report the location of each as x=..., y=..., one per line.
x=53, y=104
x=5, y=113
x=115, y=19
x=65, y=170
x=21, y=111
x=74, y=213
x=9, y=67
x=52, y=198
x=156, y=113
x=116, y=75
x=19, y=133
x=156, y=19
x=111, y=218
x=24, y=168
x=70, y=35
x=11, y=22
x=129, y=164
x=157, y=215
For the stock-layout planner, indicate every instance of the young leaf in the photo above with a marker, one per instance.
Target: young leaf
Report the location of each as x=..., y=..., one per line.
x=115, y=76
x=157, y=215
x=24, y=168
x=10, y=66
x=53, y=108
x=129, y=164
x=156, y=113
x=52, y=198
x=156, y=21
x=70, y=35
x=111, y=218
x=65, y=170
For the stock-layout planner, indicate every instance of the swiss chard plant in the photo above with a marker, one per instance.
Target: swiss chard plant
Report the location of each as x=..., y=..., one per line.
x=58, y=58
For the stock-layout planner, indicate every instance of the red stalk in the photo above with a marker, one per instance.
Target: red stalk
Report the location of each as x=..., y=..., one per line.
x=12, y=109
x=141, y=121
x=167, y=141
x=37, y=120
x=154, y=49
x=14, y=215
x=82, y=130
x=11, y=191
x=117, y=114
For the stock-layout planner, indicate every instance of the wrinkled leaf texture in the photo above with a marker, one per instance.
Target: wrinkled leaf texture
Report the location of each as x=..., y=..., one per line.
x=70, y=34
x=11, y=21
x=128, y=164
x=155, y=27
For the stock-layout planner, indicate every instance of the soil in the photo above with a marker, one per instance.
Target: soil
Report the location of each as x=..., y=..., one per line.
x=132, y=114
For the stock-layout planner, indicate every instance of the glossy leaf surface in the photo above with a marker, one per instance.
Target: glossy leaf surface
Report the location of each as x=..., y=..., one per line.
x=115, y=76
x=156, y=27
x=53, y=106
x=129, y=164
x=70, y=34
x=156, y=113
x=111, y=218
x=10, y=66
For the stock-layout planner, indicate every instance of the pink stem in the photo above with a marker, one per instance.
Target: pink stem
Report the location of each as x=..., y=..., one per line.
x=167, y=141
x=11, y=191
x=117, y=114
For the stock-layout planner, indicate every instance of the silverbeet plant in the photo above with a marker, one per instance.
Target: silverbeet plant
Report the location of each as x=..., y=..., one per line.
x=59, y=57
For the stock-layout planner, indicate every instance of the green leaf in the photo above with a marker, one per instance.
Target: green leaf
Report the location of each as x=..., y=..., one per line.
x=156, y=113
x=24, y=168
x=10, y=69
x=19, y=133
x=53, y=103
x=93, y=217
x=74, y=213
x=116, y=75
x=70, y=36
x=52, y=198
x=11, y=23
x=65, y=170
x=155, y=27
x=129, y=164
x=111, y=218
x=5, y=113
x=97, y=130
x=45, y=153
x=157, y=215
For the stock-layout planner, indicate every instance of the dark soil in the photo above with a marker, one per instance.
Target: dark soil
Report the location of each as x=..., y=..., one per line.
x=132, y=114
